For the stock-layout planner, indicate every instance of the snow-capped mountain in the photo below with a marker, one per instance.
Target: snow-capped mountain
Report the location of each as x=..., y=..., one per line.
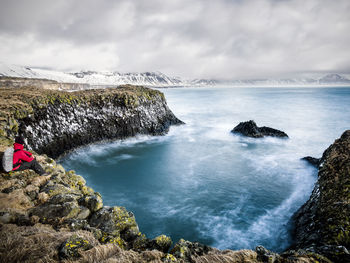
x=333, y=78
x=156, y=79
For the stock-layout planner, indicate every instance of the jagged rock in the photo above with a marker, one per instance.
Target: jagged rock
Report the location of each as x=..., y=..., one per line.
x=77, y=224
x=52, y=189
x=311, y=160
x=323, y=221
x=141, y=243
x=186, y=250
x=250, y=129
x=267, y=256
x=169, y=258
x=84, y=213
x=113, y=220
x=93, y=202
x=72, y=247
x=161, y=243
x=60, y=206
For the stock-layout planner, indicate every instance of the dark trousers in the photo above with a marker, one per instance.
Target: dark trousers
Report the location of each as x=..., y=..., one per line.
x=33, y=165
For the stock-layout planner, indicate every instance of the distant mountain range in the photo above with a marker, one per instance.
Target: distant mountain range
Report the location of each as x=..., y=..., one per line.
x=155, y=79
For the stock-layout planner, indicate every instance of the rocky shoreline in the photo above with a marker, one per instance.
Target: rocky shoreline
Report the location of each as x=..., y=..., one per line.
x=53, y=122
x=59, y=218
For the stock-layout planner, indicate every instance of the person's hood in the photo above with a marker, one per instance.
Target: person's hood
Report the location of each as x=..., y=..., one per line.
x=17, y=146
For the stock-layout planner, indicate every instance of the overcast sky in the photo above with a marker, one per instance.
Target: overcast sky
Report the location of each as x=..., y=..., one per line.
x=187, y=38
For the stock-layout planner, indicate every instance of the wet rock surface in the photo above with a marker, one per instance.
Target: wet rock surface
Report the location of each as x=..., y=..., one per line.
x=312, y=160
x=250, y=129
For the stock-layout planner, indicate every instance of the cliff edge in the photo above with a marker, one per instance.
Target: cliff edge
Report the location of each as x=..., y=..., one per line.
x=58, y=218
x=322, y=224
x=53, y=122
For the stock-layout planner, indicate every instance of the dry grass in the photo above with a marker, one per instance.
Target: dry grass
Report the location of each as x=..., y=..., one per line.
x=39, y=243
x=17, y=199
x=228, y=256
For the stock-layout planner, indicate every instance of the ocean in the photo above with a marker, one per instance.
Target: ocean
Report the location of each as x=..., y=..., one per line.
x=202, y=183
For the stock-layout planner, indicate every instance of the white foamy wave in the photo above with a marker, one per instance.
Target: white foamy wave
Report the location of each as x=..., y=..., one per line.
x=119, y=158
x=269, y=229
x=99, y=154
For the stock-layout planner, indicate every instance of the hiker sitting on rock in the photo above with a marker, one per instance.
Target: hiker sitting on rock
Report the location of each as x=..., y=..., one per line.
x=23, y=160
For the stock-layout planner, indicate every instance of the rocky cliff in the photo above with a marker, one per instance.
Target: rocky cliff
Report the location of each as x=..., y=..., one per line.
x=322, y=224
x=53, y=122
x=59, y=218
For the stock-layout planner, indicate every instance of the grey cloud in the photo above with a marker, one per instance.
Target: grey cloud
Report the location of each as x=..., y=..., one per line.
x=191, y=38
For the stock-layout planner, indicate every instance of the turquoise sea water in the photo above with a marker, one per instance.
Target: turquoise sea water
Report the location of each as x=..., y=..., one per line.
x=202, y=183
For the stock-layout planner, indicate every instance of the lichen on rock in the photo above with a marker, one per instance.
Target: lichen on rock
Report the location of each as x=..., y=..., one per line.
x=71, y=248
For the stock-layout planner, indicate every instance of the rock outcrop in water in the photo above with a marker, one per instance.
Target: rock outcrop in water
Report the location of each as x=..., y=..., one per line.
x=312, y=160
x=250, y=129
x=53, y=122
x=322, y=224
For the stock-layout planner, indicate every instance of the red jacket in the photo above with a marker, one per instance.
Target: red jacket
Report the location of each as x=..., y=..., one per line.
x=20, y=155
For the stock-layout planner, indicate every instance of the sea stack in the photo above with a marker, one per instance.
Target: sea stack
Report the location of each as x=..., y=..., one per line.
x=250, y=129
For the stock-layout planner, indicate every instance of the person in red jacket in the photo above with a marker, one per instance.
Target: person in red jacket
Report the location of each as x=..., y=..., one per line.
x=23, y=160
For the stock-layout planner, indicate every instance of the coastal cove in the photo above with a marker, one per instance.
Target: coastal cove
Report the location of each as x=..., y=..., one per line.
x=62, y=217
x=202, y=183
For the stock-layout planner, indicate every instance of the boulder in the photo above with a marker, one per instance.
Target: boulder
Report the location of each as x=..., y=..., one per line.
x=93, y=202
x=186, y=250
x=115, y=221
x=250, y=129
x=267, y=256
x=162, y=243
x=71, y=248
x=60, y=206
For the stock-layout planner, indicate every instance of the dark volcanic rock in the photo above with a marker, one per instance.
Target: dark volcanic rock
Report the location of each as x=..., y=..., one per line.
x=53, y=122
x=312, y=160
x=187, y=251
x=322, y=224
x=72, y=247
x=250, y=129
x=115, y=221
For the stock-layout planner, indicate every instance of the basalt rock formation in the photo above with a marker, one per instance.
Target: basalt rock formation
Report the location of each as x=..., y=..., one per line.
x=322, y=224
x=59, y=218
x=53, y=122
x=250, y=129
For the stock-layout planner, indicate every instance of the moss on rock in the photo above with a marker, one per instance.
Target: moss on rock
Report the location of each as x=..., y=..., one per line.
x=72, y=247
